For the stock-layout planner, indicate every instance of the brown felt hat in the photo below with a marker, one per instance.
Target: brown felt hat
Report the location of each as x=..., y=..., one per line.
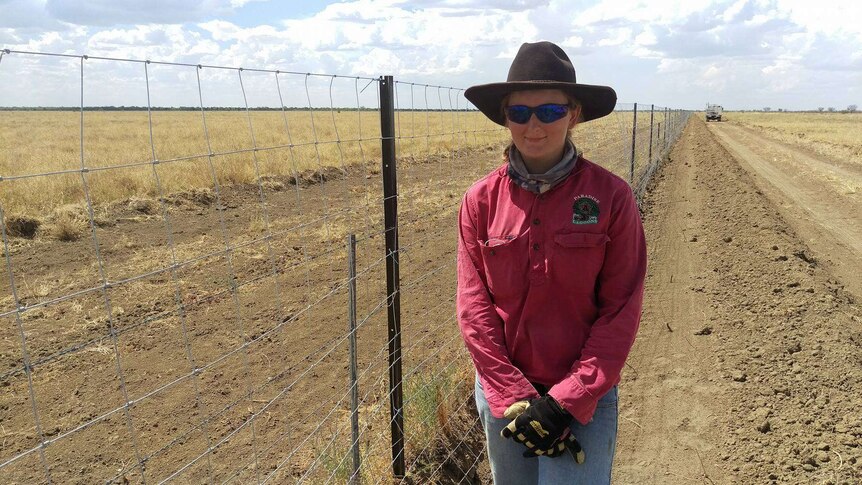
x=542, y=65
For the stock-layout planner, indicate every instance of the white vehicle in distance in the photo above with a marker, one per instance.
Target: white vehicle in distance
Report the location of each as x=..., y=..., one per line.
x=713, y=112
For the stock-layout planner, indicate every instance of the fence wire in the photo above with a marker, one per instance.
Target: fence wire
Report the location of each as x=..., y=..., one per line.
x=176, y=291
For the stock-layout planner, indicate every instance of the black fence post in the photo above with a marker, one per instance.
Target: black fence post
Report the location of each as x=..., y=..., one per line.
x=634, y=134
x=351, y=346
x=393, y=280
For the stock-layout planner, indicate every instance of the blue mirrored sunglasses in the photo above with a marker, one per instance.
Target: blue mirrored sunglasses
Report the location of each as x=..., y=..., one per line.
x=546, y=113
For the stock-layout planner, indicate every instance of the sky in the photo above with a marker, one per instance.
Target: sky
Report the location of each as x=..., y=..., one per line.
x=742, y=54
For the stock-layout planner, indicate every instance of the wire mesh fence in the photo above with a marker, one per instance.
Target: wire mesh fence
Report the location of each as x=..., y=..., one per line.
x=176, y=300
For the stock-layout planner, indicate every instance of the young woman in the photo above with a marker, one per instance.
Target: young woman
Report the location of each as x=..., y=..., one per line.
x=551, y=264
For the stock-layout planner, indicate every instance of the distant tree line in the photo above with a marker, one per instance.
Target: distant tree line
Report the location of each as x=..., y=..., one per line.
x=850, y=109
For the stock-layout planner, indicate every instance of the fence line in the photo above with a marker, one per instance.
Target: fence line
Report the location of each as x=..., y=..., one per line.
x=177, y=292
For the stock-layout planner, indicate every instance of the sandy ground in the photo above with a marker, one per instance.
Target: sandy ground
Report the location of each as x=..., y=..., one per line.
x=748, y=363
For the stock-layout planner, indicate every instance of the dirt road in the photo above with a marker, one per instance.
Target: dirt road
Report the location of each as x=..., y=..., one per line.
x=819, y=197
x=747, y=365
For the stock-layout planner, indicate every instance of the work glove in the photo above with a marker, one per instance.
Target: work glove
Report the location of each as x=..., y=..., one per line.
x=542, y=425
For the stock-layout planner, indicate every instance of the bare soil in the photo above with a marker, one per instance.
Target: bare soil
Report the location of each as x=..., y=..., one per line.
x=748, y=362
x=819, y=197
x=242, y=327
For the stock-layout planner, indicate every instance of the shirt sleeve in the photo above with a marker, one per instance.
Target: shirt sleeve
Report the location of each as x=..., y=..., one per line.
x=620, y=300
x=481, y=326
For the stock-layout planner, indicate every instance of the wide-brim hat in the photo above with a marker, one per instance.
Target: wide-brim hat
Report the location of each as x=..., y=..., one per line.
x=542, y=65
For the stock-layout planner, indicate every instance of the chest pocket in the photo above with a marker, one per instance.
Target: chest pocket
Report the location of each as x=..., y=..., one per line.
x=506, y=264
x=577, y=260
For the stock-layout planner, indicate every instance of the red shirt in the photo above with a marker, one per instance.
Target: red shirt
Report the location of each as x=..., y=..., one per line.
x=550, y=286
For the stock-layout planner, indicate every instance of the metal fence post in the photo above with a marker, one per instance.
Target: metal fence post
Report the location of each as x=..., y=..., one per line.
x=634, y=134
x=393, y=283
x=672, y=125
x=651, y=109
x=666, y=128
x=675, y=118
x=658, y=136
x=351, y=342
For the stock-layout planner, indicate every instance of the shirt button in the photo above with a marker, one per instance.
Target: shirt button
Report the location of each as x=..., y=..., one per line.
x=536, y=246
x=535, y=222
x=493, y=252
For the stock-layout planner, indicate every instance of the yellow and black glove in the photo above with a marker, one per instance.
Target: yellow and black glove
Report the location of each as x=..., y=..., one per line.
x=542, y=425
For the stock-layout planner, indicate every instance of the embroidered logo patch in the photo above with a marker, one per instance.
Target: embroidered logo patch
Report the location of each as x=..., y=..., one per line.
x=585, y=210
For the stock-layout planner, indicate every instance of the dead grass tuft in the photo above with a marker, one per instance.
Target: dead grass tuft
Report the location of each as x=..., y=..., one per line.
x=66, y=230
x=270, y=183
x=257, y=225
x=144, y=205
x=69, y=223
x=202, y=196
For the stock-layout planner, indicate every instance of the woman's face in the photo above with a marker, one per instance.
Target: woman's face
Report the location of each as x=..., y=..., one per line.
x=541, y=144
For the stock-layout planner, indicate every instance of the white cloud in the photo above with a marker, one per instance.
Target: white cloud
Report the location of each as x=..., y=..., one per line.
x=714, y=77
x=616, y=37
x=735, y=10
x=573, y=42
x=676, y=51
x=782, y=75
x=840, y=16
x=377, y=61
x=242, y=3
x=509, y=5
x=220, y=30
x=26, y=14
x=156, y=42
x=646, y=38
x=131, y=12
x=636, y=11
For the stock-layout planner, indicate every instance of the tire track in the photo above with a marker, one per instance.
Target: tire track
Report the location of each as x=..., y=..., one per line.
x=820, y=199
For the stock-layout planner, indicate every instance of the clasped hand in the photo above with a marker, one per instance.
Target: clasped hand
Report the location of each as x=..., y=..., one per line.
x=542, y=426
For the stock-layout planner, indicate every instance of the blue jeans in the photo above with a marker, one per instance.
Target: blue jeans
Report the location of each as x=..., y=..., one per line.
x=598, y=439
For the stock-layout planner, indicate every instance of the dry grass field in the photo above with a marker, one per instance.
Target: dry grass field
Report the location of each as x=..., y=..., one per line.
x=41, y=151
x=834, y=135
x=118, y=150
